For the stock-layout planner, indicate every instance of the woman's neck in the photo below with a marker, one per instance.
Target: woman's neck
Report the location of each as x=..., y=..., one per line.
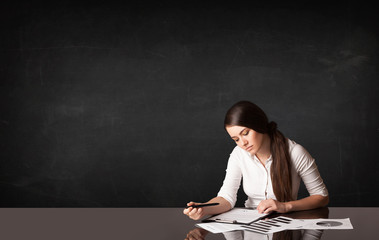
x=264, y=152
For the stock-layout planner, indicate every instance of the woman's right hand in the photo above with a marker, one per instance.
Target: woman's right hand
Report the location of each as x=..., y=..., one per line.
x=196, y=234
x=194, y=213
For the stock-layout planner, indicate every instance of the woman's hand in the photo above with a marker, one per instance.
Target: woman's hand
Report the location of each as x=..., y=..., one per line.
x=197, y=234
x=194, y=213
x=311, y=202
x=270, y=205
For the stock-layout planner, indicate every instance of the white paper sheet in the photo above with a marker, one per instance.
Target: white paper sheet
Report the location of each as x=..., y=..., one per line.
x=323, y=223
x=278, y=224
x=239, y=215
x=283, y=223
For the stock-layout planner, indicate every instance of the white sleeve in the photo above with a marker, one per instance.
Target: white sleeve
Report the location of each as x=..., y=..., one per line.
x=231, y=182
x=307, y=169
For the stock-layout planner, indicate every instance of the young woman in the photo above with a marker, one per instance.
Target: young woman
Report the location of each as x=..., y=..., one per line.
x=271, y=167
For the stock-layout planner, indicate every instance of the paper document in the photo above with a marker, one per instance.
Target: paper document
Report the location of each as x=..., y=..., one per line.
x=323, y=223
x=284, y=223
x=278, y=224
x=237, y=215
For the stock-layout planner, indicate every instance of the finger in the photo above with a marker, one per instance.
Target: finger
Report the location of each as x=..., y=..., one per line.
x=262, y=210
x=191, y=203
x=266, y=210
x=190, y=235
x=262, y=204
x=192, y=238
x=193, y=211
x=261, y=207
x=195, y=214
x=199, y=213
x=187, y=210
x=195, y=235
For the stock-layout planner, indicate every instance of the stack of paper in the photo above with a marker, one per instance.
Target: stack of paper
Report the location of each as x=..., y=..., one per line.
x=278, y=224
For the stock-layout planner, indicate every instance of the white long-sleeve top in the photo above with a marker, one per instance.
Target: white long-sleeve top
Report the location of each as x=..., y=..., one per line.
x=256, y=177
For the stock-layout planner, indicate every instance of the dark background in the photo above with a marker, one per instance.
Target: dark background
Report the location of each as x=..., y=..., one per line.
x=122, y=105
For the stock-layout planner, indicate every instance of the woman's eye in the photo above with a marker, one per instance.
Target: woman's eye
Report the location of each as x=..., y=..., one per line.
x=246, y=133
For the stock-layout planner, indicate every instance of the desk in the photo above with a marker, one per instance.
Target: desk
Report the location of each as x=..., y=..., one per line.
x=148, y=223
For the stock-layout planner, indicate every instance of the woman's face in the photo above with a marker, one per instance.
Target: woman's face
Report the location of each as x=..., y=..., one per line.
x=246, y=138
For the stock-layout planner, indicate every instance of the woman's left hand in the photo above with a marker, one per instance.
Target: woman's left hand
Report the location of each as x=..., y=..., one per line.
x=270, y=205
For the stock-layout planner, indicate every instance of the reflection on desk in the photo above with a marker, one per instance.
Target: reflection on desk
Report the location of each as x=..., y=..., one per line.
x=308, y=234
x=284, y=235
x=154, y=223
x=305, y=234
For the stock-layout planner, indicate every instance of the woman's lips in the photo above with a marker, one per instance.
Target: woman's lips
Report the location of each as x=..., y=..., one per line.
x=249, y=148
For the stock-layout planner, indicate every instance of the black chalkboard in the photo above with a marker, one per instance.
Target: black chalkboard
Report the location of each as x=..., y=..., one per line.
x=121, y=105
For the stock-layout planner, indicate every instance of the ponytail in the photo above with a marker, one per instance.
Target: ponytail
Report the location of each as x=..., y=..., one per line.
x=281, y=165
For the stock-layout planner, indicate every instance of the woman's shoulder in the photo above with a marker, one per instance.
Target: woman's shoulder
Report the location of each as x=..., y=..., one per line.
x=298, y=154
x=295, y=149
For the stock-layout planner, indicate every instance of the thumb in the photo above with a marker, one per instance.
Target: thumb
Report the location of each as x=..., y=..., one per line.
x=191, y=203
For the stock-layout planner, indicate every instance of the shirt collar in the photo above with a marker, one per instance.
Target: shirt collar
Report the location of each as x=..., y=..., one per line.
x=256, y=158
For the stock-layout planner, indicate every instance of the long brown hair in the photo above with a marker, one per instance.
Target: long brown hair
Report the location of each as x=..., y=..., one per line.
x=248, y=114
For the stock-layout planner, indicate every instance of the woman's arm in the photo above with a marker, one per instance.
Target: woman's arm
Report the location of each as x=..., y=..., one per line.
x=311, y=202
x=307, y=169
x=198, y=213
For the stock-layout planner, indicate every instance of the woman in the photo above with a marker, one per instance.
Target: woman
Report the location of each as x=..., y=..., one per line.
x=271, y=167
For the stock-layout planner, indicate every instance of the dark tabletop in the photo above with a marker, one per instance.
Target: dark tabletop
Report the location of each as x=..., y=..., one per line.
x=155, y=223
